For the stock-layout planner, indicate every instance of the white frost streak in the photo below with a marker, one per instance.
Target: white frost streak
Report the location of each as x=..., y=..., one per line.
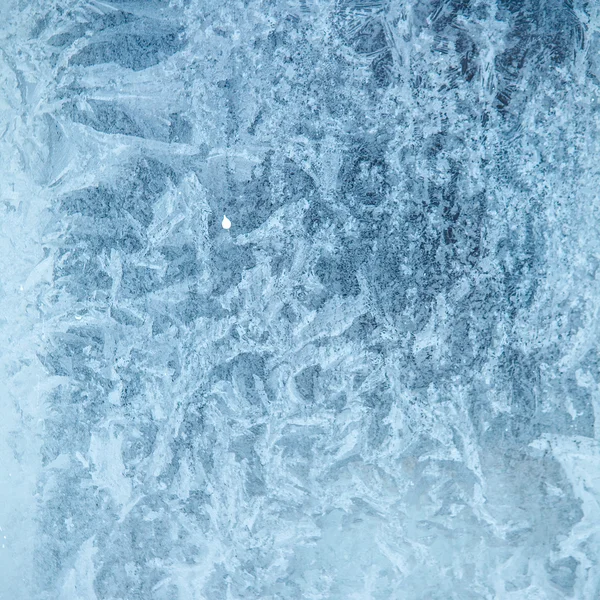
x=108, y=470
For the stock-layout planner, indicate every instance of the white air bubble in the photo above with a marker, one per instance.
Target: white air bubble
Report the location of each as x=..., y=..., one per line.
x=226, y=223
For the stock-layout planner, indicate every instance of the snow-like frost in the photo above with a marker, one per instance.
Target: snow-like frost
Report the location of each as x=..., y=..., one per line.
x=299, y=299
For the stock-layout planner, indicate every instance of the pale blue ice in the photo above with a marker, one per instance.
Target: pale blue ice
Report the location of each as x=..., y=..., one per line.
x=299, y=299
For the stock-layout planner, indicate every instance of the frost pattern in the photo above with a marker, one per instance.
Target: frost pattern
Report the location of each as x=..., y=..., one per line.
x=381, y=382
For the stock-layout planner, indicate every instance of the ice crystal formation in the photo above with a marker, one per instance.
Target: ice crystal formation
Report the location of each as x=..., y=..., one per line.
x=375, y=378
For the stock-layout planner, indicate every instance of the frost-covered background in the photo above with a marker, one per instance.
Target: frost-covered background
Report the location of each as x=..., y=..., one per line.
x=381, y=382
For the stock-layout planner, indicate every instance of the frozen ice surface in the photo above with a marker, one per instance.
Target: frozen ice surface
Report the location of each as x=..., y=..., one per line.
x=376, y=377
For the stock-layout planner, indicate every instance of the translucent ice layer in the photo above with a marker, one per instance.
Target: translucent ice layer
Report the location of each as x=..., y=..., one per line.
x=299, y=299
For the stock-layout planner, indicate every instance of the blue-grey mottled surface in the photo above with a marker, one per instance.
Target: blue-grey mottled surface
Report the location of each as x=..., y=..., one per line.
x=381, y=382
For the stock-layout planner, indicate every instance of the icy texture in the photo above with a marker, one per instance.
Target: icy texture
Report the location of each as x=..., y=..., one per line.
x=381, y=382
